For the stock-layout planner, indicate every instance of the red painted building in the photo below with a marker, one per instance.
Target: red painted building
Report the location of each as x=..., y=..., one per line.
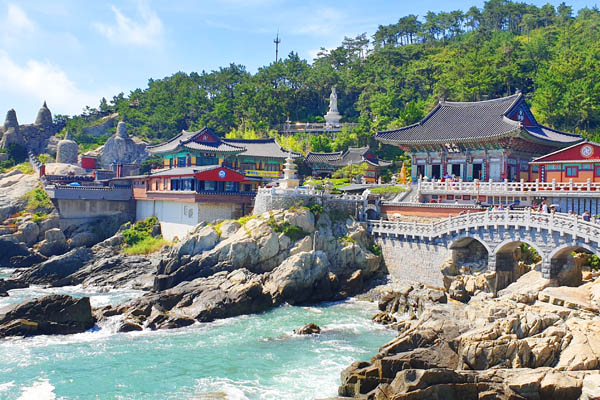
x=182, y=197
x=580, y=163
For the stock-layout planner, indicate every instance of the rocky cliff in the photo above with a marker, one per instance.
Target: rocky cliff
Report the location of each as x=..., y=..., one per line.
x=232, y=269
x=533, y=341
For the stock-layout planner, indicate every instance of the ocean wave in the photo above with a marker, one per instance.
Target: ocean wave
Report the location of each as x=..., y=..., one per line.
x=41, y=389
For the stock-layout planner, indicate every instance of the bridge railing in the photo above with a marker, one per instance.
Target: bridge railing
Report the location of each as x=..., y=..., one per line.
x=505, y=188
x=556, y=222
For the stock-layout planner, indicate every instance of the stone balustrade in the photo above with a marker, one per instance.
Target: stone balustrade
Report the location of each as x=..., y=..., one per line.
x=555, y=222
x=491, y=188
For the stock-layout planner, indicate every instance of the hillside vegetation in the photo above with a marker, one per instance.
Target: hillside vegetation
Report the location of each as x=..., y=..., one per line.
x=389, y=79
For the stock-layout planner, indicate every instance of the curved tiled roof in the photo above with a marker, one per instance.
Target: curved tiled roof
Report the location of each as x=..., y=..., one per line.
x=261, y=148
x=458, y=121
x=472, y=121
x=322, y=158
x=354, y=156
x=184, y=140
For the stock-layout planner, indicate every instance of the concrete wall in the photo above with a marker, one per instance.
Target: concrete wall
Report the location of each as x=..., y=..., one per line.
x=414, y=260
x=79, y=212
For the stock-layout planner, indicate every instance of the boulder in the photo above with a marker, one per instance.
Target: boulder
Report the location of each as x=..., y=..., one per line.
x=82, y=239
x=229, y=228
x=200, y=240
x=294, y=279
x=50, y=315
x=54, y=243
x=129, y=326
x=11, y=247
x=28, y=233
x=591, y=387
x=57, y=267
x=302, y=218
x=309, y=329
x=52, y=222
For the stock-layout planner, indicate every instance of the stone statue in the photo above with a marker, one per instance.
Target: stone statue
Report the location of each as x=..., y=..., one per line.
x=333, y=117
x=333, y=101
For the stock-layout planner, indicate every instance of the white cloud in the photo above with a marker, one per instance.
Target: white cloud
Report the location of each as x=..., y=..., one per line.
x=148, y=32
x=15, y=25
x=322, y=21
x=38, y=81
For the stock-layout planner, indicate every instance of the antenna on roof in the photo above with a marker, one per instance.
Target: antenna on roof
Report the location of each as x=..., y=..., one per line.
x=277, y=41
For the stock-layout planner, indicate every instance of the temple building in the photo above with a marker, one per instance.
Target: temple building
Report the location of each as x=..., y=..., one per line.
x=325, y=164
x=198, y=148
x=486, y=140
x=262, y=159
x=577, y=163
x=182, y=197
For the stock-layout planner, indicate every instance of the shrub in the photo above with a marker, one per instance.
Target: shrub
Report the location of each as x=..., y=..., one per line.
x=147, y=245
x=139, y=232
x=529, y=255
x=375, y=249
x=38, y=200
x=316, y=209
x=294, y=232
x=387, y=190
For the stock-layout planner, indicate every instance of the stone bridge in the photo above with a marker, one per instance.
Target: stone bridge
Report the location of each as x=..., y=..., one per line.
x=415, y=251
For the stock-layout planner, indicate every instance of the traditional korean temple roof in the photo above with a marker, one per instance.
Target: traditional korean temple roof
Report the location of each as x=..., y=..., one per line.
x=456, y=122
x=266, y=148
x=322, y=158
x=354, y=156
x=358, y=155
x=202, y=140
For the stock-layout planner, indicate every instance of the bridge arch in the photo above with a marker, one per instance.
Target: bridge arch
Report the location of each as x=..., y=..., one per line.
x=507, y=260
x=466, y=240
x=566, y=268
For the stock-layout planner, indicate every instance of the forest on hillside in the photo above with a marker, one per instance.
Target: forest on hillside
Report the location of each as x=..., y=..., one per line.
x=388, y=79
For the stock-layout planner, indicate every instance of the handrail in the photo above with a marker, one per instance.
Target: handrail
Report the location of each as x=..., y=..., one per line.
x=556, y=222
x=490, y=187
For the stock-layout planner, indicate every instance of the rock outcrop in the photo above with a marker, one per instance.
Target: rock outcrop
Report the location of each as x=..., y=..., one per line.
x=540, y=345
x=55, y=268
x=32, y=136
x=121, y=148
x=268, y=261
x=13, y=186
x=50, y=315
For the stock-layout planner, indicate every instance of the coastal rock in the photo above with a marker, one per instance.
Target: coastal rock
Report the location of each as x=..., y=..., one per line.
x=54, y=243
x=50, y=315
x=129, y=326
x=229, y=228
x=10, y=284
x=56, y=268
x=197, y=242
x=13, y=187
x=10, y=247
x=503, y=347
x=294, y=279
x=309, y=329
x=28, y=233
x=263, y=264
x=113, y=271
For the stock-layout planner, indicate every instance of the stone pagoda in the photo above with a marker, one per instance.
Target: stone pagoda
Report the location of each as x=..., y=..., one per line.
x=289, y=181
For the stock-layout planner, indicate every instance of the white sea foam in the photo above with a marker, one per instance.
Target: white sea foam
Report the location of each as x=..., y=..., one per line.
x=4, y=387
x=41, y=389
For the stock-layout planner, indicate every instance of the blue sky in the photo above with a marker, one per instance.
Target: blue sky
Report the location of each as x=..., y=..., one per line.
x=71, y=53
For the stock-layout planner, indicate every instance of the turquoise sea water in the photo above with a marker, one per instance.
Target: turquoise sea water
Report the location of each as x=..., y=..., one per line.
x=247, y=357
